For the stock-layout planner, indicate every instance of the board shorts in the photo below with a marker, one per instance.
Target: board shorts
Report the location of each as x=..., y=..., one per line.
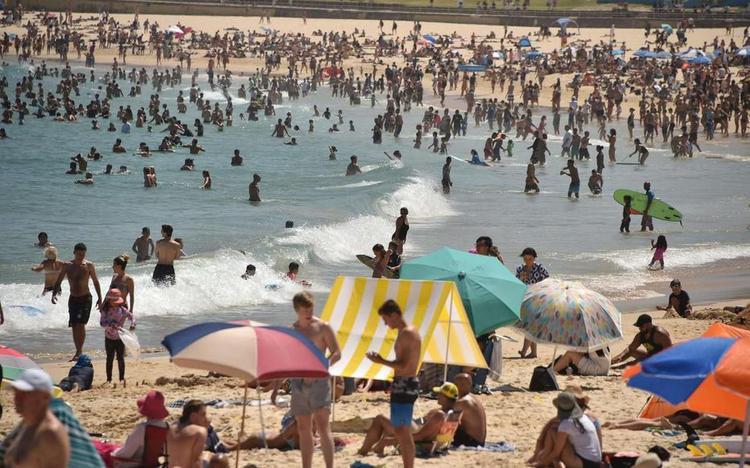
x=79, y=309
x=574, y=152
x=163, y=275
x=574, y=187
x=462, y=438
x=404, y=392
x=309, y=396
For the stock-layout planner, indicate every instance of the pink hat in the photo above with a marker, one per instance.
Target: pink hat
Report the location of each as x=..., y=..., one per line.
x=114, y=296
x=152, y=405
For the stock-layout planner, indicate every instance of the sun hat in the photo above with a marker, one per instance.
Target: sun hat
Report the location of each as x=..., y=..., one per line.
x=33, y=380
x=578, y=393
x=114, y=296
x=448, y=390
x=152, y=405
x=567, y=407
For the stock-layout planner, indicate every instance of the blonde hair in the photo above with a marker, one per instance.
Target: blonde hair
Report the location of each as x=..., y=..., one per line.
x=50, y=253
x=303, y=299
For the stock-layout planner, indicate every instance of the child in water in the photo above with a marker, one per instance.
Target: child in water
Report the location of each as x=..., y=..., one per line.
x=625, y=223
x=659, y=247
x=509, y=148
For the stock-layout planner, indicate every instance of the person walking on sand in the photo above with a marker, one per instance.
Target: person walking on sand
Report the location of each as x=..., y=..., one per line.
x=78, y=271
x=405, y=386
x=167, y=251
x=311, y=398
x=113, y=316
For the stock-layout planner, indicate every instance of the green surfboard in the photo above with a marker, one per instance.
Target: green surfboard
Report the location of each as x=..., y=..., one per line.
x=658, y=210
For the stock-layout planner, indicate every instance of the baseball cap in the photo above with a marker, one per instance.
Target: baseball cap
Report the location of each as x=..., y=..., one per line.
x=642, y=320
x=33, y=380
x=448, y=390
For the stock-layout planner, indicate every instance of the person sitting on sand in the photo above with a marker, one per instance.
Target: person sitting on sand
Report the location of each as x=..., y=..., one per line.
x=380, y=434
x=594, y=363
x=576, y=442
x=186, y=440
x=679, y=300
x=652, y=337
x=549, y=430
x=151, y=406
x=472, y=430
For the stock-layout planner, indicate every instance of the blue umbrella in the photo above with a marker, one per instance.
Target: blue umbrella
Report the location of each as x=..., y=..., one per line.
x=533, y=55
x=524, y=42
x=700, y=60
x=743, y=52
x=429, y=38
x=643, y=53
x=662, y=54
x=667, y=28
x=617, y=52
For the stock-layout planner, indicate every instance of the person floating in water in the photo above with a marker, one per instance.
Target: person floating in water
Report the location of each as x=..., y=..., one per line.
x=353, y=168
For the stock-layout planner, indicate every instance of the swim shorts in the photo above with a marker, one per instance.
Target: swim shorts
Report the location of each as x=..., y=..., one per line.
x=404, y=392
x=574, y=187
x=309, y=395
x=462, y=438
x=163, y=275
x=79, y=309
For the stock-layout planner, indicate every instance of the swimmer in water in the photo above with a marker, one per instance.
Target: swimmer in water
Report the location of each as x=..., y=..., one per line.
x=206, y=181
x=575, y=181
x=122, y=170
x=293, y=272
x=292, y=142
x=51, y=267
x=194, y=147
x=249, y=272
x=595, y=182
x=532, y=183
x=117, y=147
x=254, y=189
x=351, y=126
x=280, y=131
x=353, y=168
x=236, y=159
x=143, y=246
x=332, y=153
x=446, y=181
x=87, y=180
x=189, y=165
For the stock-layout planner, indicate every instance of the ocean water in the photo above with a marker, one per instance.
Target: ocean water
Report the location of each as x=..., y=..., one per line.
x=335, y=217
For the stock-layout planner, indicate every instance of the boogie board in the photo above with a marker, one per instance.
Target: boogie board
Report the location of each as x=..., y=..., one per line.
x=482, y=163
x=658, y=210
x=370, y=262
x=31, y=311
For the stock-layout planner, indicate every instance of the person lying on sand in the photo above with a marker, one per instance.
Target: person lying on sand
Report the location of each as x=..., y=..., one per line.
x=380, y=434
x=594, y=363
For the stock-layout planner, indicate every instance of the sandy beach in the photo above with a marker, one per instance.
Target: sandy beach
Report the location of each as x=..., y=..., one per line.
x=513, y=415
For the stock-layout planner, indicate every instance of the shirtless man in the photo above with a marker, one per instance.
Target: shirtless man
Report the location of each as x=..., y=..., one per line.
x=405, y=386
x=311, y=398
x=652, y=337
x=380, y=261
x=43, y=240
x=472, y=431
x=279, y=130
x=143, y=246
x=42, y=441
x=78, y=271
x=194, y=147
x=446, y=181
x=167, y=251
x=186, y=440
x=353, y=168
x=254, y=189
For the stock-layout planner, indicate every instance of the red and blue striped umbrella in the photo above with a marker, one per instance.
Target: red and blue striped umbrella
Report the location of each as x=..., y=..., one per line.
x=247, y=351
x=709, y=375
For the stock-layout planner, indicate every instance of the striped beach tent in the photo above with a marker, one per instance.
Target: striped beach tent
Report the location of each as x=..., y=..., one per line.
x=433, y=307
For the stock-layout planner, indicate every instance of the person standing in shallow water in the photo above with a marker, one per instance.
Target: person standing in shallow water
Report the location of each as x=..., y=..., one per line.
x=402, y=228
x=166, y=251
x=447, y=183
x=254, y=189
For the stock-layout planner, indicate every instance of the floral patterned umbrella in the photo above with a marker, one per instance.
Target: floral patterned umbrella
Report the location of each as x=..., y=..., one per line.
x=567, y=314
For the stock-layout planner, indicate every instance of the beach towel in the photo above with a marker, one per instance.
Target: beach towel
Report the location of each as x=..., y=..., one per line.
x=497, y=447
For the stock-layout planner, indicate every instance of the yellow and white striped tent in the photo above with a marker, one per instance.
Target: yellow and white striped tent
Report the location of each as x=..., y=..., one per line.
x=433, y=307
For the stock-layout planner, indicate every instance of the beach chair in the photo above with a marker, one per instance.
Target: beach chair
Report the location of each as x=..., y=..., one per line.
x=444, y=439
x=154, y=448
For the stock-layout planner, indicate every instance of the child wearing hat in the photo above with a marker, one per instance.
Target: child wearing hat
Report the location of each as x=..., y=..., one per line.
x=113, y=316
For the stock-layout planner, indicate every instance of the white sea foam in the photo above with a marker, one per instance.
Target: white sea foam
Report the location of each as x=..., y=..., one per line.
x=693, y=256
x=422, y=197
x=364, y=183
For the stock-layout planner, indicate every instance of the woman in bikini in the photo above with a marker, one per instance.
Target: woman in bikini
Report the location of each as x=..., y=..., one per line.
x=122, y=281
x=51, y=267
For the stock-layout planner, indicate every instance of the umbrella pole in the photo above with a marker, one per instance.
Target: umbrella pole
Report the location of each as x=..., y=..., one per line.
x=242, y=427
x=448, y=342
x=745, y=430
x=554, y=355
x=260, y=413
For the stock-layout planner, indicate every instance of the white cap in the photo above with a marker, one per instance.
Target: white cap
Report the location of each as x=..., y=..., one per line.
x=33, y=380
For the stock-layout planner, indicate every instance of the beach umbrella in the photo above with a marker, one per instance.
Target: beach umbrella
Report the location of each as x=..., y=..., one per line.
x=524, y=42
x=643, y=53
x=709, y=375
x=490, y=293
x=429, y=38
x=700, y=60
x=534, y=54
x=743, y=52
x=617, y=52
x=247, y=350
x=667, y=28
x=663, y=54
x=564, y=22
x=14, y=363
x=175, y=30
x=567, y=314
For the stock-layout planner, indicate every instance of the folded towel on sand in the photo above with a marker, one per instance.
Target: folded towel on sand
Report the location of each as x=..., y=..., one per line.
x=220, y=403
x=499, y=447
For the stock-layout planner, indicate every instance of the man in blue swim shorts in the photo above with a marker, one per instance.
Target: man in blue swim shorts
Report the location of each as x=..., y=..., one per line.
x=405, y=387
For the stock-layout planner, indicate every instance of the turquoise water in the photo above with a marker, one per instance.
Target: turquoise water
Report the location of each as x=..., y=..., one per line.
x=335, y=217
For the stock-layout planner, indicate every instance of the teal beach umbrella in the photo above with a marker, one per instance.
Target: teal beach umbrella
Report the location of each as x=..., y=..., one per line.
x=490, y=293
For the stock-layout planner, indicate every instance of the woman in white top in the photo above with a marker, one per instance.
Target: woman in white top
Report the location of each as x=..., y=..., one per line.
x=577, y=441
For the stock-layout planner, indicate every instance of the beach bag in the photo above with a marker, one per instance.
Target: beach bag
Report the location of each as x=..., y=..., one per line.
x=496, y=361
x=543, y=380
x=131, y=342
